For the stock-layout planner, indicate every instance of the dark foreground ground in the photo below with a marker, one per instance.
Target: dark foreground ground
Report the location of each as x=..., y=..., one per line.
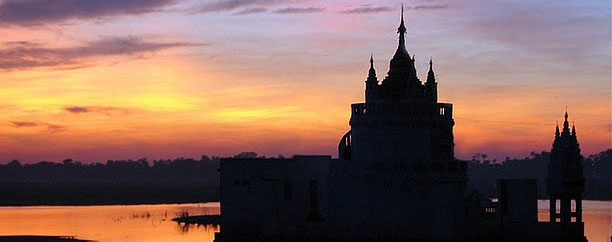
x=31, y=238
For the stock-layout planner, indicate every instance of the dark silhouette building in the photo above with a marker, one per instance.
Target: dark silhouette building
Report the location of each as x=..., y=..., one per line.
x=565, y=178
x=399, y=152
x=395, y=179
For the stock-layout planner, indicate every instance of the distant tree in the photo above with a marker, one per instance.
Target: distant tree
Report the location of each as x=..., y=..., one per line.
x=144, y=162
x=67, y=162
x=14, y=164
x=246, y=155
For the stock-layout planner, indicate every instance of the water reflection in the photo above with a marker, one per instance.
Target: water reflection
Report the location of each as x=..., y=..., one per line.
x=154, y=222
x=597, y=217
x=185, y=228
x=109, y=223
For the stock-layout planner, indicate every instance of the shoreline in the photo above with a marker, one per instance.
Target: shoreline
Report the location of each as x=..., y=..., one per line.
x=153, y=203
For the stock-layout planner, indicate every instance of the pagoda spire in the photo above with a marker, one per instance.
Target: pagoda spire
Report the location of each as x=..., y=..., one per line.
x=372, y=91
x=401, y=30
x=372, y=71
x=557, y=130
x=401, y=64
x=401, y=51
x=566, y=130
x=431, y=77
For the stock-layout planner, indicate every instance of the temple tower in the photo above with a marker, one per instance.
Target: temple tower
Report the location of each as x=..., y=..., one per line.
x=565, y=177
x=396, y=164
x=431, y=86
x=371, y=90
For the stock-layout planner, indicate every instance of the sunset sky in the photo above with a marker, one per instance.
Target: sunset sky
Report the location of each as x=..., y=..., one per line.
x=116, y=79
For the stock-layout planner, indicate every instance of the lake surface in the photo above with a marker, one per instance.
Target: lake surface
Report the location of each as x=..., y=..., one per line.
x=597, y=217
x=128, y=223
x=136, y=223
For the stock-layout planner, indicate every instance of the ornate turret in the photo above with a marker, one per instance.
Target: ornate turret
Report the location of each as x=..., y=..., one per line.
x=372, y=72
x=400, y=151
x=372, y=91
x=401, y=47
x=431, y=87
x=401, y=80
x=401, y=60
x=565, y=177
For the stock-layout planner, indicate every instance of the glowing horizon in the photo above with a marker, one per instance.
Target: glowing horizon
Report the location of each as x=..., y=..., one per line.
x=178, y=78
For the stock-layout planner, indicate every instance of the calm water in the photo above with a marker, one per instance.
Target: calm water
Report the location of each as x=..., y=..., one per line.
x=597, y=216
x=152, y=222
x=109, y=223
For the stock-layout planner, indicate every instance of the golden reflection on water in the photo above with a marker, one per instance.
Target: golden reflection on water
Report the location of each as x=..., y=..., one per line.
x=597, y=217
x=153, y=222
x=109, y=223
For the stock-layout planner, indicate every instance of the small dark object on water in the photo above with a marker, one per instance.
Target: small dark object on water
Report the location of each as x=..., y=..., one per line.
x=200, y=219
x=34, y=238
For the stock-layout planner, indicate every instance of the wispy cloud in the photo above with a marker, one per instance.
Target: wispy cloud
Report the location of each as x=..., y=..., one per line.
x=28, y=124
x=245, y=7
x=20, y=124
x=251, y=11
x=97, y=109
x=429, y=7
x=27, y=55
x=298, y=10
x=77, y=109
x=228, y=5
x=55, y=128
x=367, y=9
x=34, y=12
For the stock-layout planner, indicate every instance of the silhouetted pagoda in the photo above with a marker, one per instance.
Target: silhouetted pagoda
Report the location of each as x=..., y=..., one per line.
x=395, y=179
x=566, y=180
x=399, y=152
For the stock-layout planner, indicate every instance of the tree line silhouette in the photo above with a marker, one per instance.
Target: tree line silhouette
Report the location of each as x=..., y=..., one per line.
x=71, y=182
x=189, y=180
x=483, y=173
x=115, y=182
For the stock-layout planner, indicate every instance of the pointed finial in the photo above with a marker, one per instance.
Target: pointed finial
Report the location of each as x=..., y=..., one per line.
x=566, y=130
x=573, y=128
x=402, y=29
x=431, y=78
x=372, y=72
x=557, y=128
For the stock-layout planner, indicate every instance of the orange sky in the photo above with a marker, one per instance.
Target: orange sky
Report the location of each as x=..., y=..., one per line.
x=170, y=78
